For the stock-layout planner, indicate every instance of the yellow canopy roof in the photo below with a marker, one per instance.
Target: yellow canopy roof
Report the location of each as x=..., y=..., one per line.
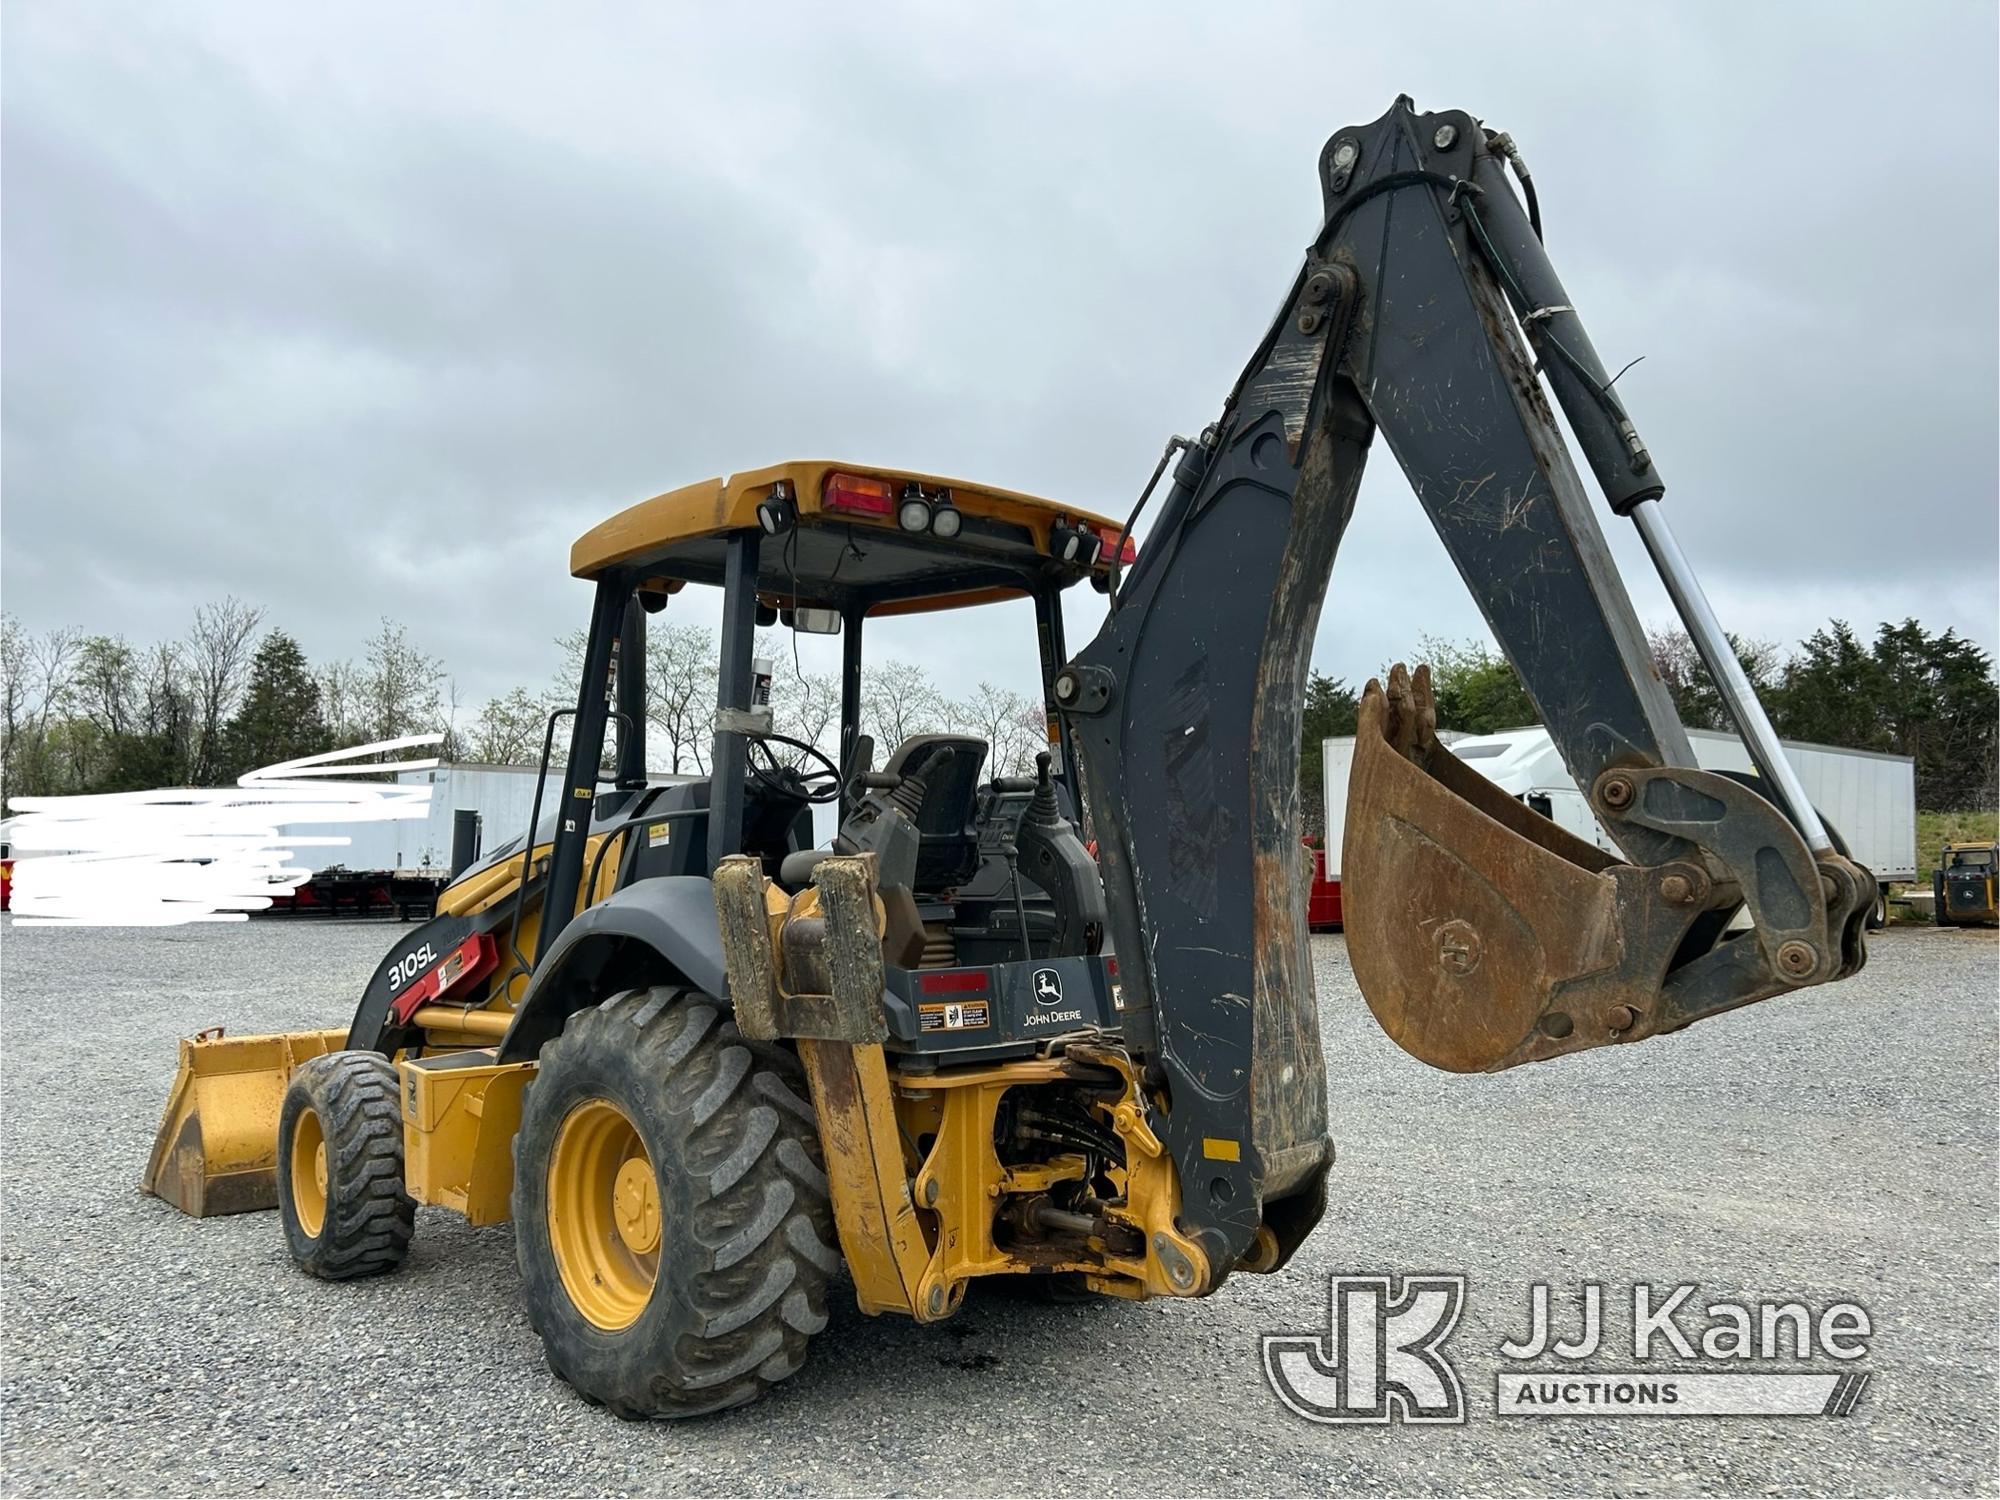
x=831, y=556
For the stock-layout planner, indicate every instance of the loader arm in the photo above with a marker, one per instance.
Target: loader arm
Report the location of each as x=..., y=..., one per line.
x=1481, y=935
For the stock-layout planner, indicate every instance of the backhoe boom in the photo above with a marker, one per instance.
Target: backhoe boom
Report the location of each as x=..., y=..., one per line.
x=1480, y=934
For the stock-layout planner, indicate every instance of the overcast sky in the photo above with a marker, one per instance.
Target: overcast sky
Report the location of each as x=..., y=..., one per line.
x=364, y=309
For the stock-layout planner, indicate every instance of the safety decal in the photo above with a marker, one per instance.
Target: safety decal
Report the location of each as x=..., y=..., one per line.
x=968, y=1015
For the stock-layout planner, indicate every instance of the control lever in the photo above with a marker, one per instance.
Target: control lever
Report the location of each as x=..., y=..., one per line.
x=1042, y=810
x=1011, y=853
x=1056, y=860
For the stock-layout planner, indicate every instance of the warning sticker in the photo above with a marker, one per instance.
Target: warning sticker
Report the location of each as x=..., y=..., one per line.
x=658, y=834
x=967, y=1015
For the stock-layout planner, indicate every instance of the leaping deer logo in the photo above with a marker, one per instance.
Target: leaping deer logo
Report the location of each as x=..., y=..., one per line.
x=1048, y=987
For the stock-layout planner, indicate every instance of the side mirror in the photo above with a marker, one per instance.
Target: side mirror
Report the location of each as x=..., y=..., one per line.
x=813, y=621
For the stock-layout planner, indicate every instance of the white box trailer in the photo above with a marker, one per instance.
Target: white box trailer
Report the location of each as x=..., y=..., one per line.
x=1336, y=764
x=1869, y=798
x=502, y=796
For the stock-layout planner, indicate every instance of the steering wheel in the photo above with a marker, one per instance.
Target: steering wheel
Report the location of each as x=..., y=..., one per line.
x=815, y=784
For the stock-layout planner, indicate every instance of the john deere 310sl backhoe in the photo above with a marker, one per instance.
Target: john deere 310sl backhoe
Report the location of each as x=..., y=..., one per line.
x=700, y=1063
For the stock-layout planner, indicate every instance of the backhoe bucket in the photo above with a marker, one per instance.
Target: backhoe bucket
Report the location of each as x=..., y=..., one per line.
x=1472, y=922
x=217, y=1150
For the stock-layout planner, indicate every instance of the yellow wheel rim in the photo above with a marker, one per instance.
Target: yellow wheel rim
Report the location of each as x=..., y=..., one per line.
x=604, y=1215
x=309, y=1172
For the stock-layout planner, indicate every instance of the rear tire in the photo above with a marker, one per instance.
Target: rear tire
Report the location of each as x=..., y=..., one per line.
x=340, y=1167
x=1878, y=914
x=671, y=1215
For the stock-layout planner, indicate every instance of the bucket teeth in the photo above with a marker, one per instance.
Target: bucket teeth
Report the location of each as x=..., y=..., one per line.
x=1410, y=722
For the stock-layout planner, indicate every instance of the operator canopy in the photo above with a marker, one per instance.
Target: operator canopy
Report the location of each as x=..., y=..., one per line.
x=847, y=536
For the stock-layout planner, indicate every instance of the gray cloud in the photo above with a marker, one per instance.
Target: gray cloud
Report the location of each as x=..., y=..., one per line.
x=372, y=309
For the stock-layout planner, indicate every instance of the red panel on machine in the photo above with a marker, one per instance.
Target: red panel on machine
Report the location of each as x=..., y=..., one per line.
x=471, y=960
x=952, y=981
x=1323, y=903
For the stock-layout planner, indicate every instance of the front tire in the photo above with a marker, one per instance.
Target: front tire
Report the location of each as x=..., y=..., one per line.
x=671, y=1216
x=340, y=1167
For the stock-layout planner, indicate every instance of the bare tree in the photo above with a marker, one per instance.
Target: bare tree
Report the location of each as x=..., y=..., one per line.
x=563, y=694
x=454, y=743
x=52, y=655
x=806, y=707
x=400, y=686
x=35, y=672
x=563, y=687
x=107, y=683
x=165, y=715
x=218, y=652
x=680, y=695
x=341, y=701
x=17, y=674
x=508, y=731
x=1009, y=723
x=1687, y=681
x=1033, y=729
x=898, y=701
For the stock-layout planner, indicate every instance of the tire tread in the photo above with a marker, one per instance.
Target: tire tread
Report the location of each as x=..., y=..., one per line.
x=748, y=1260
x=369, y=1217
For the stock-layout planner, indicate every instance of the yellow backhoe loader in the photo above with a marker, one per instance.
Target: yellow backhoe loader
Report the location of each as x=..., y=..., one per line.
x=1058, y=1027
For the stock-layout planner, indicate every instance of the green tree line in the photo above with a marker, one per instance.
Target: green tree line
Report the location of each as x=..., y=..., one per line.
x=1933, y=697
x=95, y=713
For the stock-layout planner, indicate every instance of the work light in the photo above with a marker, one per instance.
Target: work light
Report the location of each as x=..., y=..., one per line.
x=915, y=512
x=776, y=513
x=1075, y=544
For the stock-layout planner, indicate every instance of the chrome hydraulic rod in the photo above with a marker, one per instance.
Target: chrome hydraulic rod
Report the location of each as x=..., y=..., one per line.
x=1727, y=673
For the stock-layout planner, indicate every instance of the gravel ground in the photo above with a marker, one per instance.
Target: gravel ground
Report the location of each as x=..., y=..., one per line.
x=1837, y=1144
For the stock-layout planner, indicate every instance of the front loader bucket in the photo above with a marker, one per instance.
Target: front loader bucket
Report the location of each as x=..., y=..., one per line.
x=217, y=1150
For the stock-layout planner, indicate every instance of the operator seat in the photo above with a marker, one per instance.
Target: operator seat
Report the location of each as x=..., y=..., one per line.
x=949, y=765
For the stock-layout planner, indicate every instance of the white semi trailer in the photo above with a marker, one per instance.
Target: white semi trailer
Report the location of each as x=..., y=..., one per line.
x=1870, y=799
x=501, y=795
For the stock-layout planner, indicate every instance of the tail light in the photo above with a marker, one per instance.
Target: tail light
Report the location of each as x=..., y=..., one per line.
x=855, y=495
x=1109, y=536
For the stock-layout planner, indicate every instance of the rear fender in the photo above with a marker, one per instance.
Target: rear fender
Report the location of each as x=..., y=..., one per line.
x=659, y=931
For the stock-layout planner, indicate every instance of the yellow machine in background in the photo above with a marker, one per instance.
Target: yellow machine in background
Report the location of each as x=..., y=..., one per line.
x=1966, y=885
